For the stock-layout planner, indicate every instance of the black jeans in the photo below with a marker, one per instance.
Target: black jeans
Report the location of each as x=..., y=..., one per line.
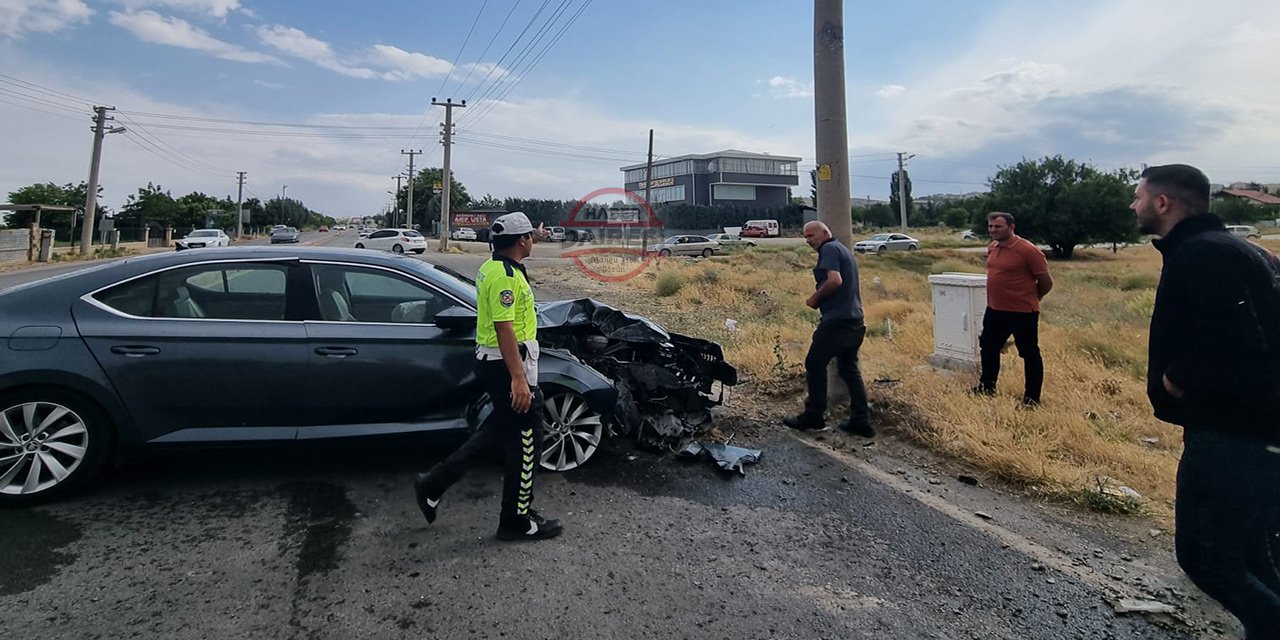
x=997, y=326
x=517, y=436
x=1228, y=518
x=839, y=339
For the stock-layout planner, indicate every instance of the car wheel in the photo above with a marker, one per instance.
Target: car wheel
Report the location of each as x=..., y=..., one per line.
x=665, y=253
x=419, y=251
x=1254, y=236
x=913, y=247
x=51, y=442
x=881, y=249
x=395, y=248
x=706, y=253
x=572, y=431
x=359, y=245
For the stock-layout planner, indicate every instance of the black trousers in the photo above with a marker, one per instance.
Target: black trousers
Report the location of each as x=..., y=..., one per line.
x=1228, y=518
x=517, y=436
x=839, y=339
x=997, y=326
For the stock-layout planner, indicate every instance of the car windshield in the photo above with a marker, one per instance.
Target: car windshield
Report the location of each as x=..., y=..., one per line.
x=203, y=233
x=880, y=236
x=410, y=234
x=671, y=240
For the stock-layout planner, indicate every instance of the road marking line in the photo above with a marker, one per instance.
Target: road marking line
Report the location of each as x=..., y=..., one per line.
x=1025, y=546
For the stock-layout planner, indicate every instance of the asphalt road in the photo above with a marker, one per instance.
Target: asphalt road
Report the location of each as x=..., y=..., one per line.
x=824, y=538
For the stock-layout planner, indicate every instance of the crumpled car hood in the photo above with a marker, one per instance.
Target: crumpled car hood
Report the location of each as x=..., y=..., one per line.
x=665, y=381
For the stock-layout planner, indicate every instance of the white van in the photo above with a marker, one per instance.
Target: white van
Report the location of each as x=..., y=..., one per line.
x=770, y=228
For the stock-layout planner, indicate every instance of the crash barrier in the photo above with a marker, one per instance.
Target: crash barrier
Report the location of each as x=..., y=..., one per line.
x=15, y=245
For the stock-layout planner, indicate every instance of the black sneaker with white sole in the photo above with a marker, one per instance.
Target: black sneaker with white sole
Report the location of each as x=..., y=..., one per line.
x=530, y=528
x=426, y=502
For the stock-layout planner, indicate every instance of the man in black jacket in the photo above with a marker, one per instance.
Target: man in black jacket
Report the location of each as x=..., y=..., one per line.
x=1214, y=368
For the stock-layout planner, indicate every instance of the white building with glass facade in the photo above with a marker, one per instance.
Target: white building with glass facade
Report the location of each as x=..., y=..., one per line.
x=725, y=178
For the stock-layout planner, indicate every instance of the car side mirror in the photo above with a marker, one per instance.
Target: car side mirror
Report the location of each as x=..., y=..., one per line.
x=456, y=318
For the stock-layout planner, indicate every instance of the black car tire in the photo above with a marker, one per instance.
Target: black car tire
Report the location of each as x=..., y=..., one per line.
x=359, y=245
x=572, y=431
x=665, y=253
x=706, y=253
x=77, y=443
x=914, y=247
x=395, y=248
x=881, y=249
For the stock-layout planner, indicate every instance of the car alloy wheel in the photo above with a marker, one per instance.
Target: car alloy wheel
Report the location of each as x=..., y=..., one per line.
x=397, y=249
x=50, y=442
x=881, y=249
x=665, y=253
x=706, y=253
x=914, y=247
x=572, y=431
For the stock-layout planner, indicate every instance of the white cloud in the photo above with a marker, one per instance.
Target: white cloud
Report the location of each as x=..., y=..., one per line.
x=891, y=91
x=215, y=8
x=781, y=87
x=483, y=71
x=405, y=64
x=296, y=43
x=19, y=17
x=152, y=27
x=269, y=85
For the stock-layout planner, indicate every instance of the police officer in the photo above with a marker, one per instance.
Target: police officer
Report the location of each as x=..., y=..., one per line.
x=507, y=369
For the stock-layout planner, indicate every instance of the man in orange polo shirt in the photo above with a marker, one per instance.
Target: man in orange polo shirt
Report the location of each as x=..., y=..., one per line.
x=1017, y=278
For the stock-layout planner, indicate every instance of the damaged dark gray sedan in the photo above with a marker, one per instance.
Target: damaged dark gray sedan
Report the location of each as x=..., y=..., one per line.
x=265, y=344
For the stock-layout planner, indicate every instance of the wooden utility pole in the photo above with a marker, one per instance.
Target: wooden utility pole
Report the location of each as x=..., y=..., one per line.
x=446, y=180
x=831, y=119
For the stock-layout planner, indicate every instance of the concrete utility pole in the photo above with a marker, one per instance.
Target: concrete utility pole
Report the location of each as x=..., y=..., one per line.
x=832, y=138
x=648, y=171
x=395, y=202
x=446, y=181
x=831, y=119
x=282, y=188
x=239, y=204
x=408, y=208
x=902, y=188
x=91, y=198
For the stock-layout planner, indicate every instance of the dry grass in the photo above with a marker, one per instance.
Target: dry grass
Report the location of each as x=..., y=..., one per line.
x=1095, y=425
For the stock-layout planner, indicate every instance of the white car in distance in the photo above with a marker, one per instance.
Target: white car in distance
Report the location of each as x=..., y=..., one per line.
x=201, y=238
x=463, y=233
x=394, y=240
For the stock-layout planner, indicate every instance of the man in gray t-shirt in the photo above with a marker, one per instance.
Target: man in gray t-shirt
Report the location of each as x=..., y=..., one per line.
x=839, y=335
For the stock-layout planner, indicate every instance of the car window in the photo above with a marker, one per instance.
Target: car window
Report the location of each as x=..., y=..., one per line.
x=410, y=234
x=880, y=236
x=218, y=292
x=381, y=234
x=698, y=239
x=356, y=294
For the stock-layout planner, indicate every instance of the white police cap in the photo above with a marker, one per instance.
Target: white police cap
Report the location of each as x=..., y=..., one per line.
x=515, y=223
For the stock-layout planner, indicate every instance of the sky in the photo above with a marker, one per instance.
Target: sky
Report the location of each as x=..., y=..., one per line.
x=317, y=100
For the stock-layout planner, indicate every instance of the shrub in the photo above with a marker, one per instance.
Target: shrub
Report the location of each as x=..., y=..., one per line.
x=669, y=283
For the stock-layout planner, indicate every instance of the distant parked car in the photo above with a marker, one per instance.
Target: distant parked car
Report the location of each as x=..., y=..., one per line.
x=686, y=246
x=754, y=232
x=394, y=240
x=284, y=234
x=579, y=235
x=204, y=238
x=730, y=240
x=463, y=233
x=883, y=242
x=556, y=234
x=1244, y=231
x=324, y=229
x=968, y=235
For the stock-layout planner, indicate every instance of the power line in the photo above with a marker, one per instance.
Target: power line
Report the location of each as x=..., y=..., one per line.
x=498, y=64
x=53, y=93
x=440, y=90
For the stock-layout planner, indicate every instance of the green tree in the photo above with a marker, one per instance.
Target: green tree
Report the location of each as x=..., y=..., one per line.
x=151, y=206
x=68, y=195
x=878, y=214
x=1240, y=210
x=1063, y=203
x=893, y=195
x=426, y=198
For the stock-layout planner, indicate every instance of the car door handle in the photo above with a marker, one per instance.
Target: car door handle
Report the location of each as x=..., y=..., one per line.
x=336, y=352
x=135, y=351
